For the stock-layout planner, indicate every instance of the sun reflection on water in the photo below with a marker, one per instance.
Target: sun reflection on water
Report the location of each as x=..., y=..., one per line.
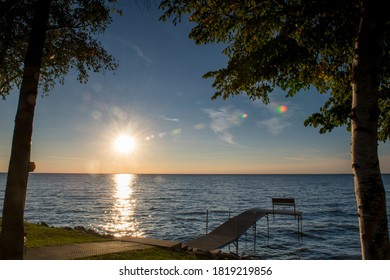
x=122, y=220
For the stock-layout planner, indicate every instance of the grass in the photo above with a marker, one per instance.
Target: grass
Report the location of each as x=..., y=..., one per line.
x=40, y=236
x=148, y=254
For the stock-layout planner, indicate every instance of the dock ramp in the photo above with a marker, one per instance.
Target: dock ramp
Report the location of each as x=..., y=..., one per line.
x=235, y=227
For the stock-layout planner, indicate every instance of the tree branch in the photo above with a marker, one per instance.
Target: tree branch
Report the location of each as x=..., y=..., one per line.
x=54, y=28
x=280, y=3
x=7, y=6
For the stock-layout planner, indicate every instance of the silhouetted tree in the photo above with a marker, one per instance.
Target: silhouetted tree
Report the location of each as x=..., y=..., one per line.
x=339, y=47
x=41, y=41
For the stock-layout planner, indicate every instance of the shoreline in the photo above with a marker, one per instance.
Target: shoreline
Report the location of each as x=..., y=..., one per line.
x=174, y=246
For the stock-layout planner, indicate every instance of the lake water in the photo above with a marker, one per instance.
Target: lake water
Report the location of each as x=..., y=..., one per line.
x=174, y=207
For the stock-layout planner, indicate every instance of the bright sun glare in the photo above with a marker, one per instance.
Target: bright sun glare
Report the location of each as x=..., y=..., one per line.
x=124, y=144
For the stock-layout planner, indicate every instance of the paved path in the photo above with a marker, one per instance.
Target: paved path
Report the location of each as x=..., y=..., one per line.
x=82, y=250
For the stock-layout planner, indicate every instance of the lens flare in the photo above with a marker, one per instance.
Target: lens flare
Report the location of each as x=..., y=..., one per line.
x=244, y=116
x=282, y=109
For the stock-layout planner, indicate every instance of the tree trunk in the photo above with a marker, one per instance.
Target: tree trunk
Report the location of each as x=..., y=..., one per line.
x=369, y=188
x=12, y=234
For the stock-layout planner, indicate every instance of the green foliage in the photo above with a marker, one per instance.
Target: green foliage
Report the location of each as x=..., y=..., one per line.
x=292, y=45
x=71, y=44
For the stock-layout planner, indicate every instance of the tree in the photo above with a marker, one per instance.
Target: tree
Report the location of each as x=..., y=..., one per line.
x=41, y=41
x=6, y=6
x=339, y=47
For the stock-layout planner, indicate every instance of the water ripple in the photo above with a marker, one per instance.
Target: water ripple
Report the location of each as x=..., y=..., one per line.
x=174, y=207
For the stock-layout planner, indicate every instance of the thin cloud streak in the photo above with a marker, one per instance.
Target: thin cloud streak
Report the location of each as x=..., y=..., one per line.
x=169, y=119
x=137, y=50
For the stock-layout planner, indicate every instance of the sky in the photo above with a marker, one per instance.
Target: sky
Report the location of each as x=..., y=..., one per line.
x=158, y=97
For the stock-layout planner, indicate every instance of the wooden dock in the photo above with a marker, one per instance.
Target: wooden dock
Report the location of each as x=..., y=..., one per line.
x=235, y=227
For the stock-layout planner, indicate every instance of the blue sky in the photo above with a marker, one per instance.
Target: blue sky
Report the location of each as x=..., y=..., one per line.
x=158, y=97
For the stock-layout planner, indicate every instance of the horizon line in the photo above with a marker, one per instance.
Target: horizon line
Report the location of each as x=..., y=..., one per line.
x=113, y=173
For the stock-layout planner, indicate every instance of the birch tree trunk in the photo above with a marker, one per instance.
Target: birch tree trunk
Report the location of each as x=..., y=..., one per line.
x=12, y=234
x=369, y=188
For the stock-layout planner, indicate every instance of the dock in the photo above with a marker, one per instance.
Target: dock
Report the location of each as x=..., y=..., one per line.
x=231, y=230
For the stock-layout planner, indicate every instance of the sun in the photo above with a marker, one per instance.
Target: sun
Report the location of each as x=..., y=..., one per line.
x=124, y=144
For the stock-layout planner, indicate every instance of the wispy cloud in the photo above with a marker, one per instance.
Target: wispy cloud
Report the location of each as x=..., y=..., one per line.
x=274, y=125
x=137, y=50
x=200, y=126
x=169, y=119
x=222, y=120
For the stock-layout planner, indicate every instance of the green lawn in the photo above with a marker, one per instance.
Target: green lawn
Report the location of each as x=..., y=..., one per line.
x=148, y=254
x=39, y=236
